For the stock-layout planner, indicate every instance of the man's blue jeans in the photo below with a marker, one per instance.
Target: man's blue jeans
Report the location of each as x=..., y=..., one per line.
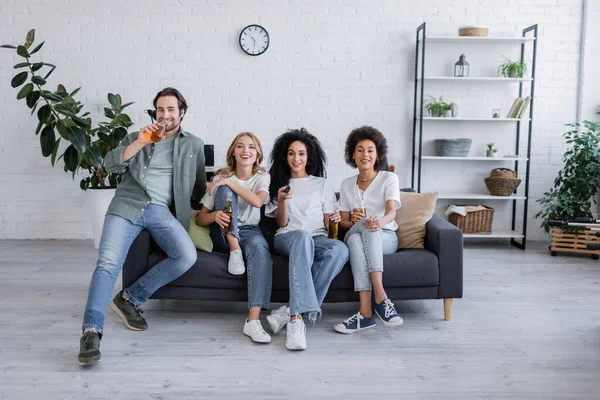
x=259, y=264
x=313, y=263
x=117, y=236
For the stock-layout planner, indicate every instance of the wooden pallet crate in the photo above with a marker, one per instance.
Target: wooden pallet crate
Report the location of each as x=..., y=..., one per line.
x=574, y=243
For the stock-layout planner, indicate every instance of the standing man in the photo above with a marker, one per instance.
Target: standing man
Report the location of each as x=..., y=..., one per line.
x=158, y=180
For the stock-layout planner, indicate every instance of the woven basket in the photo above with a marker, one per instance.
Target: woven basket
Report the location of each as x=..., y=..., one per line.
x=502, y=186
x=473, y=31
x=479, y=222
x=453, y=147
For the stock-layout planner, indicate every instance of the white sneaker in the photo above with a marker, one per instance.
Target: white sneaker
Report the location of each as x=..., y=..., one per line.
x=255, y=331
x=236, y=263
x=296, y=335
x=278, y=319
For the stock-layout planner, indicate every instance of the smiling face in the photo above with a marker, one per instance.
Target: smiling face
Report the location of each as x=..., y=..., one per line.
x=297, y=157
x=244, y=151
x=167, y=108
x=365, y=155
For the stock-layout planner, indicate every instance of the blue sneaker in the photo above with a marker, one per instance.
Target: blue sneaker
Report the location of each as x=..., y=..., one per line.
x=386, y=311
x=355, y=323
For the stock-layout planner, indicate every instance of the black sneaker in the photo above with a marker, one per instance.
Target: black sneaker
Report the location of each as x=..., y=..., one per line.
x=130, y=314
x=89, y=349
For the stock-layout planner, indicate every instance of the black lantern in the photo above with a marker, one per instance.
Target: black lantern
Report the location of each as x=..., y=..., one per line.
x=461, y=68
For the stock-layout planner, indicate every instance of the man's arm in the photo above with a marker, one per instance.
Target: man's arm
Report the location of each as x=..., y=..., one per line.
x=118, y=159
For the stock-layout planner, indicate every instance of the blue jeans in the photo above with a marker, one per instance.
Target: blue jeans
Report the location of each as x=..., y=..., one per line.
x=259, y=264
x=366, y=252
x=313, y=263
x=117, y=236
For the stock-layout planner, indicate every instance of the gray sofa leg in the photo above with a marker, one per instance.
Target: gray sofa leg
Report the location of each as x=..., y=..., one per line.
x=447, y=309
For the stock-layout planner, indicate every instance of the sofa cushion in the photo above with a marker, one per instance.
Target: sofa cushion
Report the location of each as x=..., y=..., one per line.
x=200, y=235
x=417, y=209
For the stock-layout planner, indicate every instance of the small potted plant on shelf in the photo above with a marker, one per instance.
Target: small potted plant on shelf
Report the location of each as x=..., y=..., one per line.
x=436, y=107
x=491, y=151
x=574, y=190
x=512, y=69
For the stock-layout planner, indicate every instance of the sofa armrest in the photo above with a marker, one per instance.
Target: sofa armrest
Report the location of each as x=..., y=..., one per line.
x=446, y=241
x=136, y=262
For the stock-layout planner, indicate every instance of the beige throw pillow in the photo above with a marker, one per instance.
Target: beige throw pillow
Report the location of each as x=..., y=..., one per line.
x=417, y=209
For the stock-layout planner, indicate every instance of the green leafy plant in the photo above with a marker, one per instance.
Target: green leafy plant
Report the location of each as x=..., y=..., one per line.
x=490, y=146
x=512, y=69
x=59, y=111
x=436, y=107
x=576, y=185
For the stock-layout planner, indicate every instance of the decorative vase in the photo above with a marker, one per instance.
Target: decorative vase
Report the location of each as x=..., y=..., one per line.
x=454, y=109
x=99, y=201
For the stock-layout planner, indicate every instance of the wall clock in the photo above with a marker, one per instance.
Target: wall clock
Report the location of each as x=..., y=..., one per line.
x=254, y=40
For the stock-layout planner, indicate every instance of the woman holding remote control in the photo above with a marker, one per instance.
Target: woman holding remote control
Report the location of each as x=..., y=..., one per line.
x=303, y=203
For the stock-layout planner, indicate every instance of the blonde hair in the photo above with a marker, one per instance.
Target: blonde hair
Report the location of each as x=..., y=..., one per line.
x=231, y=164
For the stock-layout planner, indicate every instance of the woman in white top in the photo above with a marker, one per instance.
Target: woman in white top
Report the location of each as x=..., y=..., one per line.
x=246, y=184
x=368, y=203
x=303, y=203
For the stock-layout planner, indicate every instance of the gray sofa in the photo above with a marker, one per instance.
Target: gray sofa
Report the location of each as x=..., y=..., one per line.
x=435, y=272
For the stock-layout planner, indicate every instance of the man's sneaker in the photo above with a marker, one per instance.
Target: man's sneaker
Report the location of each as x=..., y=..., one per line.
x=278, y=319
x=236, y=266
x=255, y=331
x=296, y=335
x=356, y=323
x=386, y=311
x=89, y=349
x=130, y=314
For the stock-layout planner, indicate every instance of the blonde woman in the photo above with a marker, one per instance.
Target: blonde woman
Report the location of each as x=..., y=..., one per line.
x=246, y=184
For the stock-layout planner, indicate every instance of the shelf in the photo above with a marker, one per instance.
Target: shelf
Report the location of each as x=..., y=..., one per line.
x=474, y=158
x=477, y=196
x=474, y=119
x=476, y=79
x=494, y=235
x=478, y=39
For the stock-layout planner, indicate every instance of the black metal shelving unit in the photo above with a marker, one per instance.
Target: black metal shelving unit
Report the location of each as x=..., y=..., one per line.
x=418, y=120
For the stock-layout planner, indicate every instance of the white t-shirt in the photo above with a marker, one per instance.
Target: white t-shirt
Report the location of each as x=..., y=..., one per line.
x=312, y=198
x=384, y=187
x=247, y=214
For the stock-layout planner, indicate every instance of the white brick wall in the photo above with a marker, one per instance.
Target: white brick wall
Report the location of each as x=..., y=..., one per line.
x=332, y=65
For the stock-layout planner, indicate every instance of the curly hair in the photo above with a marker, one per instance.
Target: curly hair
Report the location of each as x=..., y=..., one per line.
x=231, y=163
x=280, y=170
x=367, y=133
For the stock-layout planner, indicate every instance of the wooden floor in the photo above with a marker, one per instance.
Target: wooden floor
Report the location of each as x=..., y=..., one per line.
x=528, y=327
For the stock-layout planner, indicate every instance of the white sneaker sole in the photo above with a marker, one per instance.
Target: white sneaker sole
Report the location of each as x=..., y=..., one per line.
x=390, y=323
x=261, y=341
x=120, y=314
x=342, y=329
x=236, y=272
x=87, y=364
x=297, y=347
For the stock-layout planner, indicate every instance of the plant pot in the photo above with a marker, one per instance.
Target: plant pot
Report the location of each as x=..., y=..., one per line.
x=447, y=113
x=490, y=153
x=99, y=201
x=512, y=73
x=453, y=147
x=436, y=114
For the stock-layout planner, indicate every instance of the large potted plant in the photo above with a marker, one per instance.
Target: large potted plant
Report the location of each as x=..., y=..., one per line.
x=59, y=112
x=574, y=188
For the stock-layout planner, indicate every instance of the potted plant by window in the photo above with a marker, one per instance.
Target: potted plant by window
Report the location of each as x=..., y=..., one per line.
x=512, y=69
x=58, y=112
x=574, y=189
